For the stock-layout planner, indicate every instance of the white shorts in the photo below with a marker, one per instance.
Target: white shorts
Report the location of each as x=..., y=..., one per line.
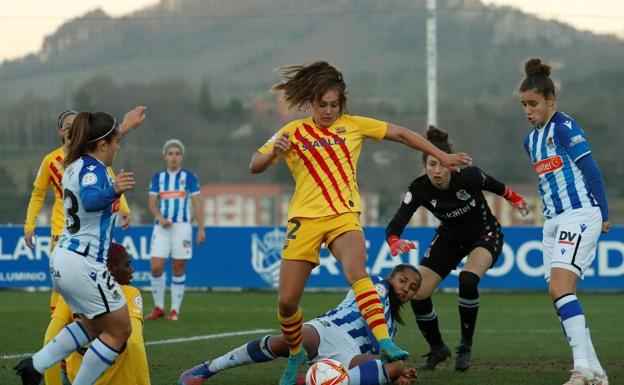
x=335, y=343
x=175, y=241
x=570, y=240
x=86, y=285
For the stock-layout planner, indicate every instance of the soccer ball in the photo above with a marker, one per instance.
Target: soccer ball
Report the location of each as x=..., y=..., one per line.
x=327, y=372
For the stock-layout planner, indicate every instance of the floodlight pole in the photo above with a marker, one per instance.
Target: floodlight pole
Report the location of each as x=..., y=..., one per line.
x=432, y=62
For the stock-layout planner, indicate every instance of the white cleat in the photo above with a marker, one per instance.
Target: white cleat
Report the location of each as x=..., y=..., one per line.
x=600, y=379
x=581, y=376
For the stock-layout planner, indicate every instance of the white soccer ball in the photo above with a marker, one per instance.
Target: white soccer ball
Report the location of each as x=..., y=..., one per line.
x=327, y=372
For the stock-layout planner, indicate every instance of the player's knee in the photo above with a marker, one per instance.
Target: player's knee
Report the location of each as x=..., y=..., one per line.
x=422, y=306
x=468, y=284
x=288, y=305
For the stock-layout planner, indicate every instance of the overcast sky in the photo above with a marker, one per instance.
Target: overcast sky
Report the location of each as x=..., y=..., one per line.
x=25, y=23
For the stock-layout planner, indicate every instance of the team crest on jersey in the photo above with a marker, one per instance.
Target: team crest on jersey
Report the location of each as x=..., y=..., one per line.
x=408, y=198
x=463, y=195
x=266, y=251
x=89, y=179
x=115, y=294
x=550, y=143
x=138, y=301
x=341, y=130
x=381, y=289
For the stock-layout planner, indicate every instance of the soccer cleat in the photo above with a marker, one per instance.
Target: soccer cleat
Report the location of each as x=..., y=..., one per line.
x=434, y=357
x=390, y=352
x=462, y=359
x=196, y=375
x=156, y=313
x=173, y=315
x=291, y=373
x=28, y=373
x=580, y=376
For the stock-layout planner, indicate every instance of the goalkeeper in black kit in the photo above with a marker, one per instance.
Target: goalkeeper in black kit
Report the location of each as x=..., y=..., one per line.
x=467, y=228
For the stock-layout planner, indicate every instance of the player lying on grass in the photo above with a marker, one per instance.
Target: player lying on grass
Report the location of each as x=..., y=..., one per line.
x=340, y=334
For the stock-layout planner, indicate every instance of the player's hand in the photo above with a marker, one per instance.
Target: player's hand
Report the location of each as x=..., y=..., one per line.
x=132, y=119
x=29, y=238
x=408, y=376
x=164, y=223
x=517, y=201
x=126, y=218
x=201, y=236
x=606, y=226
x=453, y=161
x=399, y=246
x=124, y=181
x=281, y=144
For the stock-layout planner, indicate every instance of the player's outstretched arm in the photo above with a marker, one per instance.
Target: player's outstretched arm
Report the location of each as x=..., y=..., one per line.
x=418, y=142
x=132, y=119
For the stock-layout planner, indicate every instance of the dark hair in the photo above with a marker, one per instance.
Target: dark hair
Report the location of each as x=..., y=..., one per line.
x=88, y=129
x=116, y=253
x=439, y=138
x=304, y=84
x=537, y=78
x=395, y=303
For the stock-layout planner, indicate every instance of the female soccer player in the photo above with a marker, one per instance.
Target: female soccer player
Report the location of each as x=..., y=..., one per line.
x=170, y=193
x=467, y=228
x=321, y=152
x=575, y=209
x=78, y=262
x=49, y=176
x=340, y=334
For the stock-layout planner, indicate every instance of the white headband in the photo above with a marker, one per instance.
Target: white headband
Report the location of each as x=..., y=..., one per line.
x=172, y=142
x=108, y=132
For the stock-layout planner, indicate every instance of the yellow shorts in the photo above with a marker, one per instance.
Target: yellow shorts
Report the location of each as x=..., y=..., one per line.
x=305, y=236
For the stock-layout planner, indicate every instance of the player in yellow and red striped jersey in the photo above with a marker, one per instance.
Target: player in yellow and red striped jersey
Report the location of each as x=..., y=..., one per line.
x=321, y=152
x=50, y=175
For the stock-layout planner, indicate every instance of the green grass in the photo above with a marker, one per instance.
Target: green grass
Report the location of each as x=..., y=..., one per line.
x=518, y=339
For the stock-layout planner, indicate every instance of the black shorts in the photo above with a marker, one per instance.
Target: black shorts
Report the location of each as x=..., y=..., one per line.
x=448, y=248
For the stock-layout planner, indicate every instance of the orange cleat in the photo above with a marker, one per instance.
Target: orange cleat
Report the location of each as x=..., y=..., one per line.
x=173, y=315
x=156, y=314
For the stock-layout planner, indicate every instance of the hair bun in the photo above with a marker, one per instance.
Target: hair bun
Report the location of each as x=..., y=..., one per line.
x=435, y=134
x=534, y=67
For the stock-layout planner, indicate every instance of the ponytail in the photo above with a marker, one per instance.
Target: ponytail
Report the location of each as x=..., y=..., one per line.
x=85, y=133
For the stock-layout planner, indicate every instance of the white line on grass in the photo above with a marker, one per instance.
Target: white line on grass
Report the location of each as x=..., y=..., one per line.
x=169, y=341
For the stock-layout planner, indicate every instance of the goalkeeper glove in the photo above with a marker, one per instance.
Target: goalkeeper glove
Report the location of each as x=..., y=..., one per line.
x=398, y=245
x=516, y=200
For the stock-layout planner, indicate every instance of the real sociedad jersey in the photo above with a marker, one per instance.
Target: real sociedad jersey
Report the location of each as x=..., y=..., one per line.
x=554, y=149
x=347, y=316
x=173, y=190
x=90, y=205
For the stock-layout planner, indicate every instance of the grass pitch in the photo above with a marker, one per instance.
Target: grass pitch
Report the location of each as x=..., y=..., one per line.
x=518, y=338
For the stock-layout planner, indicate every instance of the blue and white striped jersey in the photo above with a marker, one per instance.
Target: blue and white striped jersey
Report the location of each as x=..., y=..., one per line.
x=90, y=205
x=173, y=190
x=347, y=316
x=554, y=149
